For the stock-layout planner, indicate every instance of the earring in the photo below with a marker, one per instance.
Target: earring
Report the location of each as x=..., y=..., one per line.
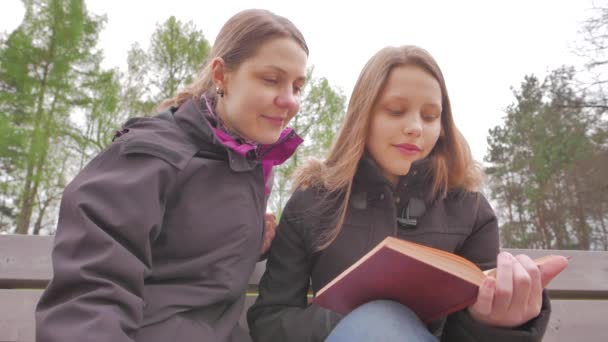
x=219, y=91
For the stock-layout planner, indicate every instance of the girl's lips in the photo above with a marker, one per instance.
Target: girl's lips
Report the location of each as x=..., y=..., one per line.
x=408, y=149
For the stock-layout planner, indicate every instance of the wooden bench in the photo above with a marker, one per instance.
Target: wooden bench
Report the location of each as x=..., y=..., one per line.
x=579, y=295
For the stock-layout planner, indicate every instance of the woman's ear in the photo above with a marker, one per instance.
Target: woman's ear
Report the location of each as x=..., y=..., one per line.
x=218, y=73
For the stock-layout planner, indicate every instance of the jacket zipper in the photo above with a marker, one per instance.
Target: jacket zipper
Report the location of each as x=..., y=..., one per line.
x=261, y=154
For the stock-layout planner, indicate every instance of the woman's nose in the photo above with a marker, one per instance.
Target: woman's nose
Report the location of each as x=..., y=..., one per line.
x=288, y=100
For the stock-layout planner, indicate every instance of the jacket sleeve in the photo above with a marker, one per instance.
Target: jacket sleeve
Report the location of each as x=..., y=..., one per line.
x=281, y=312
x=109, y=215
x=481, y=247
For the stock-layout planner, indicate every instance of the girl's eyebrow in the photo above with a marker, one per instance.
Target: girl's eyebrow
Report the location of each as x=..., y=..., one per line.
x=399, y=97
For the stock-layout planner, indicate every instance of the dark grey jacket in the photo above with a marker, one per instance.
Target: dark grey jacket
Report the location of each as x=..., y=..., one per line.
x=462, y=223
x=157, y=238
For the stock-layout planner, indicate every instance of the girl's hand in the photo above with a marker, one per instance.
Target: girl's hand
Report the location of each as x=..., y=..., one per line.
x=515, y=296
x=270, y=230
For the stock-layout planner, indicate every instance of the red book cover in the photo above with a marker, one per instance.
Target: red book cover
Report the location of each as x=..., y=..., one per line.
x=389, y=274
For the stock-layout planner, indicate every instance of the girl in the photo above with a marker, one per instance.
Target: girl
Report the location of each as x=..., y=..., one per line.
x=398, y=167
x=158, y=235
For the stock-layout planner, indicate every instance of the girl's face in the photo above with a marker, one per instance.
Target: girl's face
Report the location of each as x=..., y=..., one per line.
x=262, y=94
x=406, y=121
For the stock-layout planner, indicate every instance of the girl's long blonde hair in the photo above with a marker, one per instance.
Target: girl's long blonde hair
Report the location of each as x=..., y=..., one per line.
x=239, y=39
x=452, y=165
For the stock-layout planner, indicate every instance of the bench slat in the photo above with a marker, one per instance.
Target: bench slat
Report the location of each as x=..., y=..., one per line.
x=570, y=320
x=17, y=315
x=577, y=320
x=25, y=262
x=585, y=278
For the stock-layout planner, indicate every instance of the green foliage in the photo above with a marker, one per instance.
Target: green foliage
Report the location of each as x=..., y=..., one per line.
x=176, y=53
x=45, y=67
x=536, y=167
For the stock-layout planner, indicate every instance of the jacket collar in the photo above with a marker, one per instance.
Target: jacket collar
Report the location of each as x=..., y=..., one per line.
x=417, y=183
x=191, y=117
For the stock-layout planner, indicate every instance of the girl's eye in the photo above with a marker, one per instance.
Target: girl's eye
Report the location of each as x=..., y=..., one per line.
x=297, y=89
x=395, y=111
x=430, y=117
x=270, y=80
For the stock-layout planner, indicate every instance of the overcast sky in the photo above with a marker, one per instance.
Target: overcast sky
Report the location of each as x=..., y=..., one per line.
x=483, y=47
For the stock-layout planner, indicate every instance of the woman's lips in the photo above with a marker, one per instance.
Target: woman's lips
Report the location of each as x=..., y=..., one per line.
x=274, y=120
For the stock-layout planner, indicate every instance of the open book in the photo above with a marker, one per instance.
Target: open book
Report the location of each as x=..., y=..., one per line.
x=431, y=282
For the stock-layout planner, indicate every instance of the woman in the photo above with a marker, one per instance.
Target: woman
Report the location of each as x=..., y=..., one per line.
x=398, y=167
x=158, y=235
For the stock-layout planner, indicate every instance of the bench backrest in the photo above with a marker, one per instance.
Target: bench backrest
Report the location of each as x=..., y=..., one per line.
x=579, y=295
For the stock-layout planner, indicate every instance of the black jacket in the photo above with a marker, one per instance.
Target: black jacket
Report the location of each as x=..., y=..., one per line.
x=157, y=238
x=462, y=223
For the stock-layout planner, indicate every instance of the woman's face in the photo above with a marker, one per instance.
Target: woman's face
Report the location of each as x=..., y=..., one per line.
x=406, y=121
x=262, y=94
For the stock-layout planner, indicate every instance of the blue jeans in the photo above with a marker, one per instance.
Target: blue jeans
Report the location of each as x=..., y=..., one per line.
x=381, y=320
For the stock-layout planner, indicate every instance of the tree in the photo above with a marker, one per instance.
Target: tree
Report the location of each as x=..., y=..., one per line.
x=539, y=167
x=176, y=53
x=100, y=116
x=45, y=65
x=595, y=48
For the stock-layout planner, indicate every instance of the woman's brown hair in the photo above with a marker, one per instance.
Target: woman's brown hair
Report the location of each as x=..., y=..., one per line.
x=452, y=165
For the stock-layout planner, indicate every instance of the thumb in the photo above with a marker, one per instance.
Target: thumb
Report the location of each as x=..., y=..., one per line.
x=551, y=268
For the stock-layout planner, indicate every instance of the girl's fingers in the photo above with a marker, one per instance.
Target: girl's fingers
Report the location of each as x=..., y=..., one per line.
x=522, y=284
x=485, y=298
x=504, y=283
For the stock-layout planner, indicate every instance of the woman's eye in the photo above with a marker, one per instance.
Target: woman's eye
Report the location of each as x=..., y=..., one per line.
x=297, y=89
x=270, y=80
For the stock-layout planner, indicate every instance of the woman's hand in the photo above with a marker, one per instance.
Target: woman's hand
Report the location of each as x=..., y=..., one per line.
x=515, y=296
x=270, y=230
